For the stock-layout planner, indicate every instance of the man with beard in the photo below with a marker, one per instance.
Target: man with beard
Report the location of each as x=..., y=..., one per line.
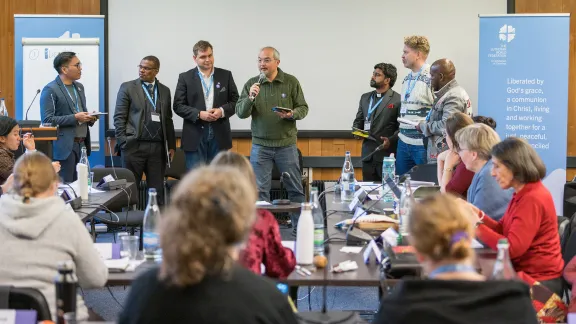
x=377, y=114
x=450, y=98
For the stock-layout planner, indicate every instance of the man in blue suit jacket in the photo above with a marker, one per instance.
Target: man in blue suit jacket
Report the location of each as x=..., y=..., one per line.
x=63, y=104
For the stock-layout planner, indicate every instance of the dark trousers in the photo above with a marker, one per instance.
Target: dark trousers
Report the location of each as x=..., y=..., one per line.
x=207, y=149
x=372, y=171
x=148, y=158
x=68, y=166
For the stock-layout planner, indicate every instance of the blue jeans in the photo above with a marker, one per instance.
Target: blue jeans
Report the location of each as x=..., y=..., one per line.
x=207, y=149
x=408, y=156
x=263, y=158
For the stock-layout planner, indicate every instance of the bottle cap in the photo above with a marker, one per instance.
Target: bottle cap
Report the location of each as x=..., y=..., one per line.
x=306, y=206
x=65, y=266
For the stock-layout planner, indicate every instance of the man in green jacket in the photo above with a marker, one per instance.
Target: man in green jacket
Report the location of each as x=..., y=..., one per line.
x=274, y=132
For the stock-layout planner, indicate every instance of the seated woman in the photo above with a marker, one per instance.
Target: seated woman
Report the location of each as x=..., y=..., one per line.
x=453, y=176
x=264, y=245
x=9, y=142
x=37, y=231
x=201, y=233
x=530, y=223
x=475, y=144
x=441, y=234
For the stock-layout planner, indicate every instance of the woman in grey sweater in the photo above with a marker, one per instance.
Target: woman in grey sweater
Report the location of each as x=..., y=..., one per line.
x=476, y=142
x=37, y=231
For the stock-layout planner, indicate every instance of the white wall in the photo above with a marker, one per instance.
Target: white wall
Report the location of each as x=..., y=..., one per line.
x=331, y=46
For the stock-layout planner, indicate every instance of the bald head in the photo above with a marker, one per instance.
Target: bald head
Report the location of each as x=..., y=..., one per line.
x=441, y=72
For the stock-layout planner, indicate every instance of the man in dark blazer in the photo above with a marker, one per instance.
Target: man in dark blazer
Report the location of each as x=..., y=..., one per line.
x=205, y=98
x=378, y=114
x=63, y=104
x=144, y=126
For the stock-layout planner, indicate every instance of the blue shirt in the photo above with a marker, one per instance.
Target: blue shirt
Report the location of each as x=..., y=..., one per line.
x=486, y=194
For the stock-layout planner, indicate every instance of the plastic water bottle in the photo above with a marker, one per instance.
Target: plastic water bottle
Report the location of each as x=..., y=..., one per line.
x=388, y=171
x=3, y=109
x=337, y=192
x=151, y=239
x=503, y=269
x=347, y=194
x=305, y=236
x=84, y=160
x=66, y=285
x=396, y=205
x=318, y=217
x=406, y=201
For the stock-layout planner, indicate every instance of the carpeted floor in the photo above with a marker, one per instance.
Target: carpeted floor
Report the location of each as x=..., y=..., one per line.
x=108, y=302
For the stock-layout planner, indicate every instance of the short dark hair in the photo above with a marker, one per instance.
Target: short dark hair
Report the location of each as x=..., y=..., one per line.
x=6, y=125
x=201, y=46
x=389, y=71
x=153, y=59
x=62, y=59
x=521, y=158
x=485, y=120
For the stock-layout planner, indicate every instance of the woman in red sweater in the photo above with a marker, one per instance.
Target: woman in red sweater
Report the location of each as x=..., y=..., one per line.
x=453, y=176
x=530, y=222
x=264, y=244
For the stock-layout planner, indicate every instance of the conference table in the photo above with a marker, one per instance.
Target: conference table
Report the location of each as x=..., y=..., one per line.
x=367, y=275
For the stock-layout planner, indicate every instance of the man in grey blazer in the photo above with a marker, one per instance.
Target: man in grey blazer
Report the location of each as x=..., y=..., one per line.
x=63, y=104
x=144, y=127
x=378, y=113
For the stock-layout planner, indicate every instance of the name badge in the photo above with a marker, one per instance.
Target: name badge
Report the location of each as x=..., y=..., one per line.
x=367, y=126
x=156, y=117
x=403, y=111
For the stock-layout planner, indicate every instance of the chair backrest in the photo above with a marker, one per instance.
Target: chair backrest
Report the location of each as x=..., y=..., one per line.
x=569, y=247
x=276, y=173
x=564, y=230
x=25, y=298
x=177, y=168
x=424, y=172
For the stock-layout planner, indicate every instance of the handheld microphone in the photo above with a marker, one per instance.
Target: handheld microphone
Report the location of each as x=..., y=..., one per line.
x=30, y=123
x=282, y=201
x=376, y=150
x=325, y=317
x=260, y=79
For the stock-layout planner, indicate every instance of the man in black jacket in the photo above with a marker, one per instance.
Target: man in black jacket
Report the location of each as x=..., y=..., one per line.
x=144, y=126
x=205, y=98
x=378, y=114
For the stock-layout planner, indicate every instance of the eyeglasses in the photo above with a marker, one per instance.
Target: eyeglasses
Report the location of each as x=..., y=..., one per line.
x=146, y=68
x=77, y=65
x=266, y=60
x=462, y=149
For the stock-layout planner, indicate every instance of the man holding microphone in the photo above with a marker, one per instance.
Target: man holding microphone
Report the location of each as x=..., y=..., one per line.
x=274, y=130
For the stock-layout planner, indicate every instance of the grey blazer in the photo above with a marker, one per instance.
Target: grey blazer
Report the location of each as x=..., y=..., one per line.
x=56, y=107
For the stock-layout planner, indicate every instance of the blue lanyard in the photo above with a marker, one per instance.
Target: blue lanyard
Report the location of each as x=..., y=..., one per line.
x=372, y=108
x=409, y=89
x=208, y=88
x=452, y=268
x=150, y=98
x=75, y=96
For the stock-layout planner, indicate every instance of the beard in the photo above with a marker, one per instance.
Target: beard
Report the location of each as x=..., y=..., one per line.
x=373, y=84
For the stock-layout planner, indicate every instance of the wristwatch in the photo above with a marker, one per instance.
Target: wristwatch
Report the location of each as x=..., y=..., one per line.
x=450, y=169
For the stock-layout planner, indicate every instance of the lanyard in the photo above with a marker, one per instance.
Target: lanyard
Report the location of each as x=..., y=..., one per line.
x=75, y=95
x=208, y=88
x=409, y=89
x=452, y=268
x=372, y=108
x=150, y=98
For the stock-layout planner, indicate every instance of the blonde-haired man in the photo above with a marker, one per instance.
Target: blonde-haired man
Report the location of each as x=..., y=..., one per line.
x=417, y=99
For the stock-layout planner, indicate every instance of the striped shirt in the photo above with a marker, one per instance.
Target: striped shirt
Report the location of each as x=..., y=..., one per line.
x=417, y=105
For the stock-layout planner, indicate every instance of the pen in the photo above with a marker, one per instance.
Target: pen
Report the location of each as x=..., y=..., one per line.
x=306, y=271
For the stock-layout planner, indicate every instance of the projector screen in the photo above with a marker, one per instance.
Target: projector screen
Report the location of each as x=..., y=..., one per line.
x=331, y=46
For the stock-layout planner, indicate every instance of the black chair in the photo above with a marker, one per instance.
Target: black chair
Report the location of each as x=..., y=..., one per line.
x=25, y=299
x=424, y=172
x=275, y=183
x=564, y=230
x=175, y=173
x=123, y=207
x=570, y=199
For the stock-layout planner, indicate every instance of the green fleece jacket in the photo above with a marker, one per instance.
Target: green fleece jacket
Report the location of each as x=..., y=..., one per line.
x=268, y=129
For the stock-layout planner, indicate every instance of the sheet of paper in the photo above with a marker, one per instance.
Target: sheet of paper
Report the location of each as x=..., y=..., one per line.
x=104, y=249
x=351, y=249
x=374, y=197
x=414, y=183
x=263, y=203
x=476, y=244
x=390, y=236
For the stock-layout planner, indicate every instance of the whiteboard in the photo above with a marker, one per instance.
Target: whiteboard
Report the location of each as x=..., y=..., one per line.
x=38, y=70
x=331, y=46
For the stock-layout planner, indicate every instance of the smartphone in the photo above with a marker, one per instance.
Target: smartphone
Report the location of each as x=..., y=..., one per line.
x=281, y=109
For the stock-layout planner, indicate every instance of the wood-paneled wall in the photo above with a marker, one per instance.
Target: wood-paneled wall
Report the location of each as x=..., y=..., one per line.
x=561, y=6
x=8, y=8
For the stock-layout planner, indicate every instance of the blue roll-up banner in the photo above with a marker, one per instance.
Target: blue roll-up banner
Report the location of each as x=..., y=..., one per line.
x=523, y=85
x=37, y=40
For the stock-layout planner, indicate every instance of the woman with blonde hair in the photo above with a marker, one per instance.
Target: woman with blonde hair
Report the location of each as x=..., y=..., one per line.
x=264, y=245
x=441, y=234
x=38, y=230
x=201, y=234
x=475, y=146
